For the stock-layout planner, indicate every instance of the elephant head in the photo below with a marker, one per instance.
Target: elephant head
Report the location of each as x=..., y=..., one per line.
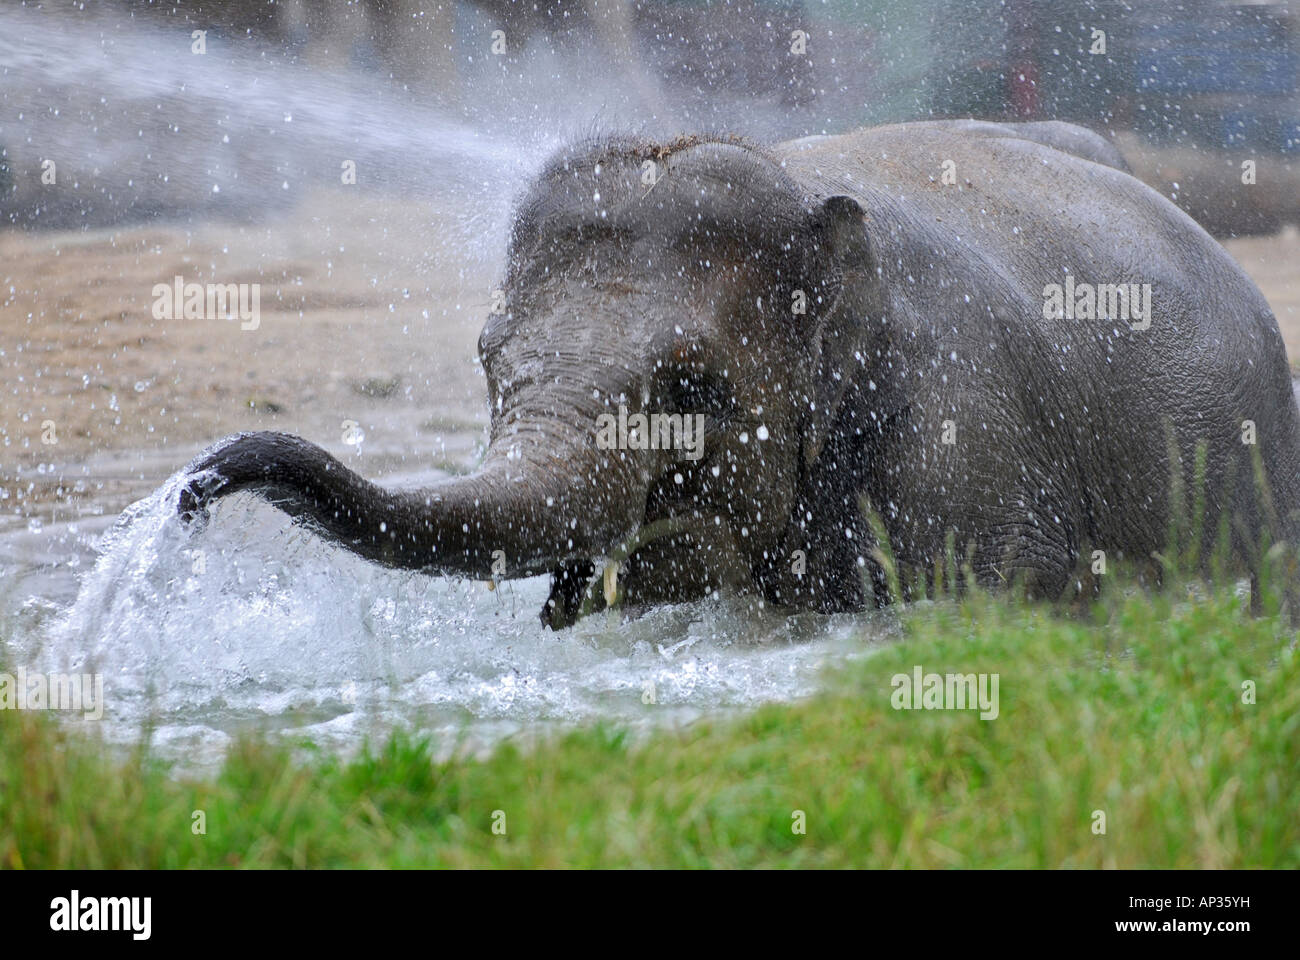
x=691, y=283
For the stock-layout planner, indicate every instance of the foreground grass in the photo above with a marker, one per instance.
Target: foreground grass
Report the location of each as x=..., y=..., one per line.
x=1137, y=712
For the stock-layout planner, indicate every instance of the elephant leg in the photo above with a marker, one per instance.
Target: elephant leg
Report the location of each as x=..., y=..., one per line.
x=686, y=566
x=568, y=586
x=1034, y=549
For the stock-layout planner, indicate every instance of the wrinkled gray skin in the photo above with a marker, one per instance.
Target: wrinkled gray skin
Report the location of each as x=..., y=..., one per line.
x=925, y=316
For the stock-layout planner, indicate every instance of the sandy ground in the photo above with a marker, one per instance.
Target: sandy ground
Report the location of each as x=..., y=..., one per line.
x=370, y=311
x=1274, y=264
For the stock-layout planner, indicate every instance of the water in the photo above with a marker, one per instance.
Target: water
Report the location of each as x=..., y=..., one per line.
x=253, y=623
x=139, y=126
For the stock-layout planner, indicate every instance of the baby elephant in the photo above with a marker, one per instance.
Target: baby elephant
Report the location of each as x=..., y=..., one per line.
x=719, y=365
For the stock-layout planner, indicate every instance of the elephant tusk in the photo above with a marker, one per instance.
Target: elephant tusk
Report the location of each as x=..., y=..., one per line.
x=611, y=583
x=605, y=582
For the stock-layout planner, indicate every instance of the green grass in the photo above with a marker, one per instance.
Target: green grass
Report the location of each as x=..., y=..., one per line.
x=1135, y=710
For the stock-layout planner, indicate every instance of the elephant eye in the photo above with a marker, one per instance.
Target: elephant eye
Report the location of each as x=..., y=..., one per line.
x=686, y=390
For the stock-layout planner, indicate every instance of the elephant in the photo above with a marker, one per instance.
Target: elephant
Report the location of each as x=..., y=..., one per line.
x=874, y=330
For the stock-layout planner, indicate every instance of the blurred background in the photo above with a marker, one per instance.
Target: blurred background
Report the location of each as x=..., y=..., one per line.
x=141, y=122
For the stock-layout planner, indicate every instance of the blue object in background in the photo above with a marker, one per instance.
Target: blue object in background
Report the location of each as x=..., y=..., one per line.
x=1290, y=136
x=1241, y=128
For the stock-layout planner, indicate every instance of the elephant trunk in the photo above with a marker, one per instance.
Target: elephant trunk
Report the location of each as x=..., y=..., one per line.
x=531, y=506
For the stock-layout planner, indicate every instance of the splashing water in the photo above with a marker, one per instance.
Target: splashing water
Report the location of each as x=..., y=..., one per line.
x=143, y=128
x=251, y=622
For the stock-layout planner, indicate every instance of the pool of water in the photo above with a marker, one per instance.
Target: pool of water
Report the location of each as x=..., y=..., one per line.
x=254, y=623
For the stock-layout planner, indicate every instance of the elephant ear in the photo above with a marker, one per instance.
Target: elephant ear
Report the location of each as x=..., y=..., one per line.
x=846, y=270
